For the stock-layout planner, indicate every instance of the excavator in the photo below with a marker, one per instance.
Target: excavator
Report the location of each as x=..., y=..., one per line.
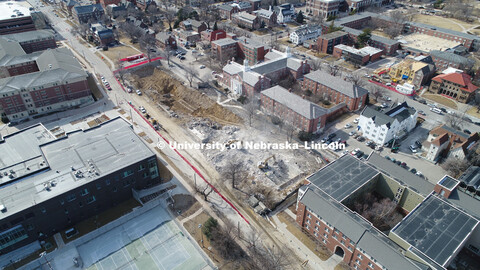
x=230, y=142
x=263, y=165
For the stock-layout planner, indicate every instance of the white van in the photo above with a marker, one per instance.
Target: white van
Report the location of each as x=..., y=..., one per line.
x=436, y=110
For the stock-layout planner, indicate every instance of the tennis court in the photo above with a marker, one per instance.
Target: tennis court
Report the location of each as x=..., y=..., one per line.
x=164, y=248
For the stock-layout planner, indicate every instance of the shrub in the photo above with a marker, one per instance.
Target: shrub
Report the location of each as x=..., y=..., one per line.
x=304, y=136
x=208, y=226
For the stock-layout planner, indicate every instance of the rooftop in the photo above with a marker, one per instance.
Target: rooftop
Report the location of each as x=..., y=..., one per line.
x=471, y=177
x=70, y=162
x=88, y=8
x=448, y=182
x=436, y=228
x=245, y=16
x=426, y=43
x=444, y=30
x=14, y=9
x=452, y=57
x=224, y=42
x=342, y=177
x=400, y=113
x=333, y=35
x=337, y=83
x=294, y=102
x=29, y=36
x=363, y=51
x=462, y=79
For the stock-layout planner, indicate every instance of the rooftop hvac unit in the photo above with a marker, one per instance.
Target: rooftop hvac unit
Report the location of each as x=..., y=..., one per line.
x=3, y=209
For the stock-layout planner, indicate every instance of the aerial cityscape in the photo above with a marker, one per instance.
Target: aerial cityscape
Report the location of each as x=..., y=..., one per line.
x=244, y=134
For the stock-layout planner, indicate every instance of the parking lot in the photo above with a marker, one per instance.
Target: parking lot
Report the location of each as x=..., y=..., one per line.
x=432, y=172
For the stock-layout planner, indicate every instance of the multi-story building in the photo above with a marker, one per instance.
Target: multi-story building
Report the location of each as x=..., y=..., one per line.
x=413, y=72
x=357, y=56
x=67, y=5
x=304, y=33
x=89, y=13
x=242, y=48
x=58, y=83
x=267, y=18
x=193, y=25
x=51, y=184
x=455, y=85
x=324, y=8
x=249, y=80
x=435, y=222
x=326, y=43
x=382, y=127
x=293, y=109
x=444, y=141
x=166, y=40
x=227, y=10
x=443, y=60
x=33, y=41
x=361, y=5
x=102, y=35
x=285, y=13
x=335, y=89
x=16, y=17
x=212, y=35
x=225, y=49
x=246, y=20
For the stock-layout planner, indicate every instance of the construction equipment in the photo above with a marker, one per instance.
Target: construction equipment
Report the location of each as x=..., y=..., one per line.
x=263, y=165
x=230, y=142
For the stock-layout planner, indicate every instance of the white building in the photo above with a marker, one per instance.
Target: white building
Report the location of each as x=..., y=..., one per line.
x=305, y=33
x=285, y=13
x=381, y=127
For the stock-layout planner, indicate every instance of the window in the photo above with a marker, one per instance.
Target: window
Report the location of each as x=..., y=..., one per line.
x=84, y=192
x=127, y=173
x=142, y=167
x=43, y=210
x=91, y=199
x=12, y=236
x=71, y=197
x=360, y=256
x=370, y=264
x=107, y=182
x=99, y=186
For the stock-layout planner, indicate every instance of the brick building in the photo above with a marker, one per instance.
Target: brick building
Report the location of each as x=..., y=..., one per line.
x=16, y=17
x=33, y=41
x=293, y=110
x=56, y=183
x=454, y=85
x=423, y=239
x=225, y=49
x=193, y=25
x=246, y=20
x=89, y=13
x=357, y=56
x=242, y=48
x=58, y=83
x=443, y=60
x=324, y=8
x=105, y=3
x=212, y=35
x=102, y=35
x=335, y=89
x=67, y=5
x=248, y=80
x=326, y=43
x=166, y=40
x=267, y=18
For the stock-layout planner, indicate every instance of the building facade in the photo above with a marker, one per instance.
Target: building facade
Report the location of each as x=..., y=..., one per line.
x=212, y=35
x=267, y=18
x=383, y=127
x=413, y=72
x=357, y=56
x=246, y=20
x=454, y=85
x=304, y=33
x=89, y=13
x=285, y=13
x=16, y=17
x=444, y=141
x=326, y=43
x=324, y=8
x=444, y=60
x=33, y=41
x=335, y=89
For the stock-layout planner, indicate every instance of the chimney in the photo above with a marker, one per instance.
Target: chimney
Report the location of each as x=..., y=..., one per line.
x=290, y=90
x=303, y=96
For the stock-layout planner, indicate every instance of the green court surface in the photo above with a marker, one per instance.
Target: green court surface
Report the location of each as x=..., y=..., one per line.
x=164, y=248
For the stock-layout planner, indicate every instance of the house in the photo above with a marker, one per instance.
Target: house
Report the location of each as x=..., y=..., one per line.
x=102, y=35
x=444, y=60
x=89, y=13
x=227, y=10
x=248, y=80
x=191, y=37
x=454, y=85
x=335, y=89
x=83, y=173
x=444, y=141
x=255, y=4
x=293, y=109
x=324, y=8
x=246, y=20
x=326, y=43
x=382, y=127
x=414, y=72
x=212, y=35
x=116, y=11
x=357, y=56
x=193, y=25
x=144, y=4
x=166, y=40
x=285, y=13
x=58, y=83
x=67, y=5
x=33, y=41
x=303, y=33
x=267, y=18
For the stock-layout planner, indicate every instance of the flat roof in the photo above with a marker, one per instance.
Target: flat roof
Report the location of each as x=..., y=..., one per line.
x=427, y=43
x=342, y=177
x=448, y=182
x=14, y=9
x=436, y=228
x=72, y=161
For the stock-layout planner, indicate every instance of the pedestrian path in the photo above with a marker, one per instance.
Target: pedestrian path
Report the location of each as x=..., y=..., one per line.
x=59, y=240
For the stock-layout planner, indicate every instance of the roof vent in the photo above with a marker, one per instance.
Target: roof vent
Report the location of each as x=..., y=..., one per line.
x=3, y=209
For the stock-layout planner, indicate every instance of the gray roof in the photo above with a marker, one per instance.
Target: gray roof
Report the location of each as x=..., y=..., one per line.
x=294, y=102
x=273, y=55
x=29, y=36
x=55, y=65
x=162, y=36
x=251, y=42
x=381, y=39
x=8, y=50
x=400, y=112
x=232, y=68
x=224, y=41
x=342, y=177
x=245, y=16
x=226, y=7
x=399, y=174
x=436, y=228
x=304, y=30
x=357, y=229
x=265, y=13
x=337, y=83
x=88, y=8
x=332, y=35
x=107, y=147
x=471, y=177
x=444, y=30
x=452, y=57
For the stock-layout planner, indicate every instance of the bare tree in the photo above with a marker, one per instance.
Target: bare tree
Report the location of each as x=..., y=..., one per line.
x=204, y=191
x=170, y=16
x=315, y=64
x=235, y=172
x=377, y=92
x=276, y=258
x=289, y=131
x=334, y=70
x=191, y=73
x=454, y=120
x=356, y=79
x=455, y=166
x=380, y=211
x=166, y=53
x=251, y=110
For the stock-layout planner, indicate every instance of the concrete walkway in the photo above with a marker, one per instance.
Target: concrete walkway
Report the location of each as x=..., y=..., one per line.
x=59, y=240
x=192, y=216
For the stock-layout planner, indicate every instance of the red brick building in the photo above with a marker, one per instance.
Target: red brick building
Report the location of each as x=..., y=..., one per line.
x=458, y=86
x=34, y=41
x=335, y=89
x=212, y=35
x=166, y=39
x=325, y=43
x=246, y=20
x=60, y=83
x=293, y=110
x=242, y=48
x=15, y=17
x=357, y=56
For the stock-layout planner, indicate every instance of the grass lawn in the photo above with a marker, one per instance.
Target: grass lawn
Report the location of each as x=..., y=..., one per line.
x=342, y=266
x=473, y=112
x=441, y=100
x=103, y=59
x=261, y=32
x=119, y=52
x=92, y=223
x=441, y=22
x=379, y=33
x=126, y=40
x=320, y=250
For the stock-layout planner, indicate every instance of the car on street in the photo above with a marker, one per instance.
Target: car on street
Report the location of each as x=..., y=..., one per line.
x=368, y=143
x=348, y=125
x=332, y=135
x=108, y=87
x=360, y=138
x=443, y=110
x=419, y=174
x=413, y=170
x=356, y=120
x=202, y=66
x=422, y=113
x=142, y=109
x=102, y=78
x=423, y=101
x=351, y=133
x=403, y=165
x=467, y=131
x=387, y=157
x=378, y=148
x=138, y=92
x=413, y=148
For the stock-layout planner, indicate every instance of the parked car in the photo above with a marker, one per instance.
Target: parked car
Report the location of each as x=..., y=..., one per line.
x=138, y=92
x=419, y=174
x=348, y=125
x=422, y=113
x=359, y=154
x=142, y=109
x=360, y=138
x=404, y=165
x=324, y=140
x=356, y=120
x=413, y=148
x=202, y=66
x=443, y=110
x=467, y=131
x=418, y=144
x=398, y=162
x=368, y=143
x=387, y=157
x=351, y=133
x=413, y=170
x=378, y=148
x=332, y=135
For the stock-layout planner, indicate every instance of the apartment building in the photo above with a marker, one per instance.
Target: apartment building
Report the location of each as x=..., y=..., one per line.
x=413, y=72
x=335, y=89
x=305, y=33
x=326, y=43
x=293, y=109
x=54, y=184
x=444, y=60
x=444, y=141
x=241, y=48
x=357, y=56
x=324, y=8
x=225, y=49
x=382, y=127
x=454, y=85
x=16, y=17
x=88, y=13
x=33, y=41
x=212, y=35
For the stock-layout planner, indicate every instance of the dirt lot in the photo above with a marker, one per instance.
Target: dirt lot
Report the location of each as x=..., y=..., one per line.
x=162, y=88
x=441, y=100
x=119, y=52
